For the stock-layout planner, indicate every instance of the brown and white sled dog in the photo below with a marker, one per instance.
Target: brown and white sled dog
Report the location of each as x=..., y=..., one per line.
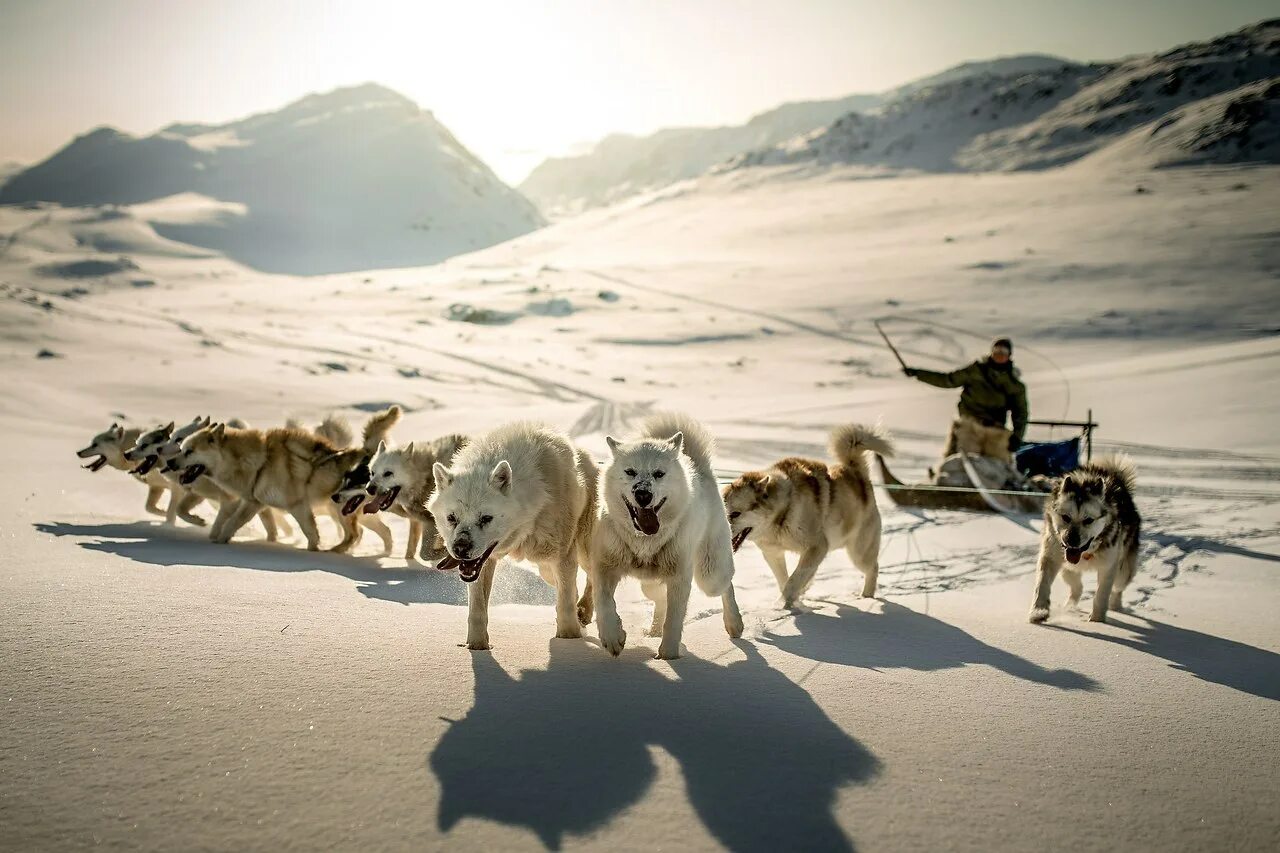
x=810, y=508
x=662, y=521
x=156, y=447
x=289, y=468
x=1090, y=524
x=522, y=491
x=400, y=480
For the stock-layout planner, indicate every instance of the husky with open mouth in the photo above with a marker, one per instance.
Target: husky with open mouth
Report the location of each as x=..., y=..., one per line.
x=522, y=491
x=111, y=448
x=1090, y=524
x=663, y=522
x=811, y=507
x=400, y=480
x=151, y=454
x=290, y=468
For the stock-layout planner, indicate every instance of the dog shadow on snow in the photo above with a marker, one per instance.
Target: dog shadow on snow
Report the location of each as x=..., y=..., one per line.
x=901, y=638
x=158, y=545
x=563, y=750
x=1239, y=666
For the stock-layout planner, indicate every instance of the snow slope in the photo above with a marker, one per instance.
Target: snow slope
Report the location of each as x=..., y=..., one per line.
x=353, y=179
x=621, y=166
x=164, y=692
x=1054, y=116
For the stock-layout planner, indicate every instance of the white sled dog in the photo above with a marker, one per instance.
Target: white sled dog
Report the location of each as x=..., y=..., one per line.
x=1091, y=523
x=811, y=508
x=401, y=480
x=663, y=522
x=522, y=491
x=109, y=448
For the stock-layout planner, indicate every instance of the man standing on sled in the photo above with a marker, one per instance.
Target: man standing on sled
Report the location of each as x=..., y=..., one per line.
x=992, y=388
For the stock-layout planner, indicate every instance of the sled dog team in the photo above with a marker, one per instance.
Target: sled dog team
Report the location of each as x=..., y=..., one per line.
x=653, y=512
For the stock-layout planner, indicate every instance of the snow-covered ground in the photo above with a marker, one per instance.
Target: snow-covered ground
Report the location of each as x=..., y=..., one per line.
x=164, y=692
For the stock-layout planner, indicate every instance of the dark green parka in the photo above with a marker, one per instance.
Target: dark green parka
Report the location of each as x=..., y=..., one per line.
x=990, y=390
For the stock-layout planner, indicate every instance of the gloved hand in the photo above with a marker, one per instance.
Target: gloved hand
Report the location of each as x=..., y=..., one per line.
x=1014, y=443
x=910, y=371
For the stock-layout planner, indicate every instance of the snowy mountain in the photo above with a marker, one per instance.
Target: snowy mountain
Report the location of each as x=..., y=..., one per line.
x=1206, y=102
x=620, y=165
x=8, y=169
x=357, y=178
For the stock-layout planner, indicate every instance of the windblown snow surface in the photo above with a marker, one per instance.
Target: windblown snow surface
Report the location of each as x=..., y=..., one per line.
x=166, y=693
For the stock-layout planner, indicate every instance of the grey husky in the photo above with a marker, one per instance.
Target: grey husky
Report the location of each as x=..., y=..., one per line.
x=1090, y=524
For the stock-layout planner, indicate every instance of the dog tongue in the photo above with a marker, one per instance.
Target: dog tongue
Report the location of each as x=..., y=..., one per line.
x=353, y=504
x=1073, y=555
x=647, y=518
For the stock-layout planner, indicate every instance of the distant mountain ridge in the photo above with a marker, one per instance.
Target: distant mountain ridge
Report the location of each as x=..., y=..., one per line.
x=357, y=178
x=620, y=165
x=1213, y=101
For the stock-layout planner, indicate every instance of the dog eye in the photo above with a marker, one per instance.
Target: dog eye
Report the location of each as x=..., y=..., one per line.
x=1066, y=519
x=630, y=472
x=386, y=473
x=485, y=519
x=1087, y=521
x=452, y=519
x=658, y=475
x=734, y=515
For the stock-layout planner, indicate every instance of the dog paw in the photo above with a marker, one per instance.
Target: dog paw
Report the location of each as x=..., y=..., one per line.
x=733, y=627
x=654, y=630
x=668, y=652
x=195, y=521
x=614, y=643
x=479, y=644
x=584, y=615
x=573, y=633
x=1096, y=617
x=1038, y=615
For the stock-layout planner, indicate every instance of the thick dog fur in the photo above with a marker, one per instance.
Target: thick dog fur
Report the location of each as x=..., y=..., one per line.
x=289, y=468
x=1090, y=524
x=663, y=522
x=811, y=508
x=161, y=444
x=522, y=491
x=401, y=480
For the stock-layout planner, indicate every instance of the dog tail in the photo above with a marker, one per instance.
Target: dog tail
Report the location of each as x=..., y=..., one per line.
x=336, y=431
x=698, y=443
x=849, y=444
x=377, y=427
x=1118, y=467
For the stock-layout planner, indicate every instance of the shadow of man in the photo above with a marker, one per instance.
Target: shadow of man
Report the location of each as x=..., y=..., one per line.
x=1248, y=669
x=901, y=638
x=565, y=749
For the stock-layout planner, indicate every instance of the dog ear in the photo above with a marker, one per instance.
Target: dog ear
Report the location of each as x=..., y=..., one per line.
x=677, y=442
x=501, y=477
x=613, y=444
x=382, y=448
x=219, y=431
x=168, y=429
x=408, y=448
x=115, y=429
x=444, y=477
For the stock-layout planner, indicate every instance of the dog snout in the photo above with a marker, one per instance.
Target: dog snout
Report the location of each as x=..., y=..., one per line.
x=643, y=497
x=462, y=547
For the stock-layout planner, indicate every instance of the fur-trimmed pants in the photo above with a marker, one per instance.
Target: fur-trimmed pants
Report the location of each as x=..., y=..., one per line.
x=969, y=436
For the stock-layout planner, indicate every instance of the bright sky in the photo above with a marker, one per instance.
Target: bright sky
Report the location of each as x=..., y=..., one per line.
x=519, y=80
